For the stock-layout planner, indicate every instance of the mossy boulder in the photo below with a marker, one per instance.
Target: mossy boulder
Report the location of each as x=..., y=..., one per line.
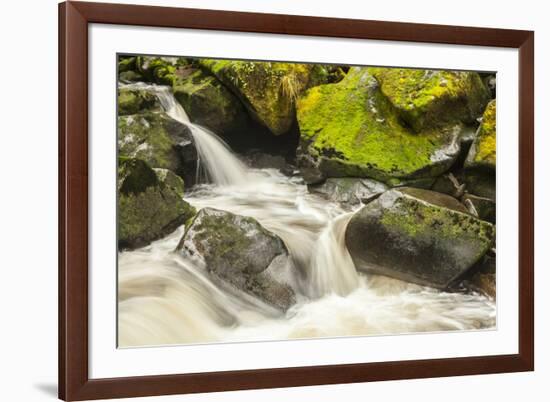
x=411, y=235
x=158, y=140
x=150, y=203
x=483, y=150
x=350, y=129
x=209, y=103
x=480, y=166
x=238, y=251
x=132, y=101
x=159, y=70
x=348, y=190
x=268, y=89
x=433, y=98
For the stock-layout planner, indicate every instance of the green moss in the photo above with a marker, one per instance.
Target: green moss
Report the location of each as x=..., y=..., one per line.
x=419, y=219
x=209, y=103
x=268, y=89
x=431, y=98
x=225, y=239
x=357, y=132
x=484, y=146
x=126, y=63
x=133, y=101
x=149, y=206
x=145, y=136
x=135, y=176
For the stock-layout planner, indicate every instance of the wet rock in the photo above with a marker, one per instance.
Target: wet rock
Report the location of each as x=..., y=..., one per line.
x=158, y=140
x=480, y=165
x=260, y=160
x=482, y=277
x=485, y=208
x=433, y=98
x=350, y=129
x=483, y=151
x=349, y=190
x=449, y=184
x=240, y=252
x=209, y=103
x=267, y=89
x=150, y=203
x=412, y=235
x=132, y=101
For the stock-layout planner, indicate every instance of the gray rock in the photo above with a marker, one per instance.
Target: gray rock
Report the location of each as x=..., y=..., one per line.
x=349, y=190
x=414, y=236
x=239, y=251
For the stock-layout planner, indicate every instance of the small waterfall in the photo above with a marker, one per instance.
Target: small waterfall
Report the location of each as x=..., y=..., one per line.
x=332, y=269
x=215, y=158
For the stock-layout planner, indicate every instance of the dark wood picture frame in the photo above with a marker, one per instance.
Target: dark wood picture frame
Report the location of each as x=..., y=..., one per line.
x=74, y=381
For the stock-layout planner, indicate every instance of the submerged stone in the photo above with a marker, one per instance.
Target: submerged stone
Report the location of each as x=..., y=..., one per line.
x=412, y=235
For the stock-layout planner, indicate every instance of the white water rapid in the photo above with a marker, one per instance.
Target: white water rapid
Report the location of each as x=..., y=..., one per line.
x=165, y=299
x=215, y=159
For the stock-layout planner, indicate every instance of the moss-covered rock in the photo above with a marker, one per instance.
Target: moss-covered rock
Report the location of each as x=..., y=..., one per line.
x=351, y=129
x=406, y=235
x=132, y=101
x=483, y=151
x=159, y=70
x=240, y=252
x=433, y=98
x=208, y=102
x=158, y=140
x=150, y=203
x=268, y=89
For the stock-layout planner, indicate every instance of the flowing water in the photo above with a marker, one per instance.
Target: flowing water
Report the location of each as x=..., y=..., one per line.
x=165, y=299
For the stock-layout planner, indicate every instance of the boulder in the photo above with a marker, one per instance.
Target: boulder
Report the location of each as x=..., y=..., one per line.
x=209, y=103
x=350, y=191
x=350, y=129
x=132, y=101
x=150, y=203
x=238, y=251
x=483, y=151
x=480, y=165
x=433, y=98
x=267, y=89
x=412, y=235
x=159, y=70
x=158, y=140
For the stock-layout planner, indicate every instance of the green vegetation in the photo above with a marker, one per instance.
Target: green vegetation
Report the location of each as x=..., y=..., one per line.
x=150, y=203
x=432, y=98
x=354, y=130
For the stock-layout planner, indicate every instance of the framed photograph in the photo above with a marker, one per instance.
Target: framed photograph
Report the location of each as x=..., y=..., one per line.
x=260, y=200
